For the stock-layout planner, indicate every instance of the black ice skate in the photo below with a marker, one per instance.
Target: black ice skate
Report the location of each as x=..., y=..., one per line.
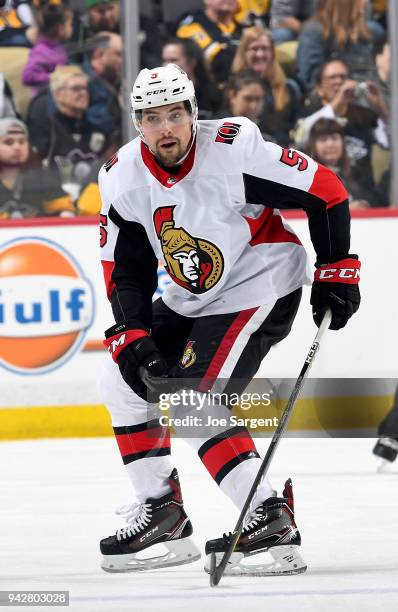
x=157, y=521
x=271, y=529
x=387, y=450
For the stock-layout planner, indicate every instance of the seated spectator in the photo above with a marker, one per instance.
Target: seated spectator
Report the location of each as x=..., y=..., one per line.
x=100, y=16
x=55, y=28
x=188, y=55
x=17, y=26
x=338, y=30
x=7, y=104
x=64, y=139
x=256, y=53
x=21, y=193
x=327, y=146
x=253, y=12
x=103, y=16
x=104, y=69
x=89, y=202
x=245, y=96
x=358, y=106
x=288, y=16
x=217, y=32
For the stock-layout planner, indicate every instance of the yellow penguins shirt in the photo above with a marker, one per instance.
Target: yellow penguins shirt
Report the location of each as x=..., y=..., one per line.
x=215, y=224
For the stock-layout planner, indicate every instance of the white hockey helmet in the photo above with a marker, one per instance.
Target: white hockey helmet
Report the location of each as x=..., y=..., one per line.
x=161, y=86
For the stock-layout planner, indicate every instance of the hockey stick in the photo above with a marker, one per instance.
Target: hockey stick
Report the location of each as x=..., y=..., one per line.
x=217, y=571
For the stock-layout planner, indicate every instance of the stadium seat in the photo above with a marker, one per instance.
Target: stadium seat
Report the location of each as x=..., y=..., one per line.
x=286, y=56
x=381, y=159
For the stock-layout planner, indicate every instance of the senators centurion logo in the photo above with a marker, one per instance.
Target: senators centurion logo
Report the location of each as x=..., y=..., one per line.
x=192, y=263
x=189, y=356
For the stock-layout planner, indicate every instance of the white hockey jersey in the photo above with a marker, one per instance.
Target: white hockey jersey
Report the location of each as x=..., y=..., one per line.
x=215, y=224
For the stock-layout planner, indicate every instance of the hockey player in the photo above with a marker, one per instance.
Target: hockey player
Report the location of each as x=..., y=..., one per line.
x=203, y=198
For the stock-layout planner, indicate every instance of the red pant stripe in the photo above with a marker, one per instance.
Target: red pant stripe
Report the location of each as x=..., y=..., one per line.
x=227, y=449
x=224, y=348
x=141, y=441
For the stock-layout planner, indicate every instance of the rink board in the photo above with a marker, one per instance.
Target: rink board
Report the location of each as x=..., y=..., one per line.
x=47, y=393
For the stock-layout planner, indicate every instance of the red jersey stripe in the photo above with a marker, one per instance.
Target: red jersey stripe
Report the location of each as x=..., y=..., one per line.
x=108, y=267
x=328, y=187
x=269, y=228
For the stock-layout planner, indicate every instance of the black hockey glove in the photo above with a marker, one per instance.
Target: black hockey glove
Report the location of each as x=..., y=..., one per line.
x=137, y=356
x=335, y=286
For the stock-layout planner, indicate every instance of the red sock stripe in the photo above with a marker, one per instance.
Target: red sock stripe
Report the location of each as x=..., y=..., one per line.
x=227, y=449
x=224, y=349
x=142, y=441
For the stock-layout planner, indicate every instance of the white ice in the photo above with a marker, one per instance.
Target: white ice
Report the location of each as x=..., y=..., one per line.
x=57, y=502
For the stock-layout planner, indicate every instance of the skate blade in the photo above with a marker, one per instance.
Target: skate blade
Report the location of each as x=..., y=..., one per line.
x=382, y=467
x=286, y=561
x=180, y=552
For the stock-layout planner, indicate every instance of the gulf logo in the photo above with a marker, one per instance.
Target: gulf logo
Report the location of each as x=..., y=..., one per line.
x=46, y=305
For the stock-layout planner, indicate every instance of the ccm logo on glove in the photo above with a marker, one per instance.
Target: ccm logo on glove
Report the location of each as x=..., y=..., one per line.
x=344, y=271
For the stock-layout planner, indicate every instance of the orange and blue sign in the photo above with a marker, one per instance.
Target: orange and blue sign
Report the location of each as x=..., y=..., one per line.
x=46, y=305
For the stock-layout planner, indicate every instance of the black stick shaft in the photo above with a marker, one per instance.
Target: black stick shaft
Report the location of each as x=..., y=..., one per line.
x=218, y=572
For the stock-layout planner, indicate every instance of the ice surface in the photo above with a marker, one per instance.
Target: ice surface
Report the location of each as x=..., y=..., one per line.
x=57, y=502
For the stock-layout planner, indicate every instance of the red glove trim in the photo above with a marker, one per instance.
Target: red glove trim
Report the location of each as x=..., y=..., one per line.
x=117, y=343
x=345, y=271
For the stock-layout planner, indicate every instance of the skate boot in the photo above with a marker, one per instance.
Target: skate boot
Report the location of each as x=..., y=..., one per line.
x=157, y=521
x=270, y=529
x=387, y=450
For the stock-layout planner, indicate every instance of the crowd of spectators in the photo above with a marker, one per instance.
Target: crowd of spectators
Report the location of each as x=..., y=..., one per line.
x=312, y=74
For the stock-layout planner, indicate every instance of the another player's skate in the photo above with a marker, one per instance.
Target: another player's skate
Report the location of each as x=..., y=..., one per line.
x=387, y=449
x=160, y=521
x=271, y=530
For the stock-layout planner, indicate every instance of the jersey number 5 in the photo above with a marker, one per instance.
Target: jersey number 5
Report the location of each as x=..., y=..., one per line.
x=293, y=158
x=103, y=232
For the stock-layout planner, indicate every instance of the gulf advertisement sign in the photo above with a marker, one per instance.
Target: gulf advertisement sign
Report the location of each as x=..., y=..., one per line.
x=46, y=305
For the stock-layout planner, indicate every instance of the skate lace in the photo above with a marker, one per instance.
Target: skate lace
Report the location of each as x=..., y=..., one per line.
x=251, y=520
x=137, y=516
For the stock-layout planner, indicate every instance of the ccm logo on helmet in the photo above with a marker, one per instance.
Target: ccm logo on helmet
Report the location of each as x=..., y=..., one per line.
x=156, y=91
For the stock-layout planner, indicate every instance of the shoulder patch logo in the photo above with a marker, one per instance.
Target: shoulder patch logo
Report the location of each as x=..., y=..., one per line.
x=228, y=132
x=111, y=162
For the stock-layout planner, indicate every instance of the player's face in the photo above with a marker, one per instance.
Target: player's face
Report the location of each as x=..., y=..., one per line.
x=14, y=150
x=248, y=102
x=259, y=55
x=329, y=149
x=167, y=131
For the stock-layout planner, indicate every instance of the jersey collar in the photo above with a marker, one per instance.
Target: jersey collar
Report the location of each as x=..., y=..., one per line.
x=165, y=178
